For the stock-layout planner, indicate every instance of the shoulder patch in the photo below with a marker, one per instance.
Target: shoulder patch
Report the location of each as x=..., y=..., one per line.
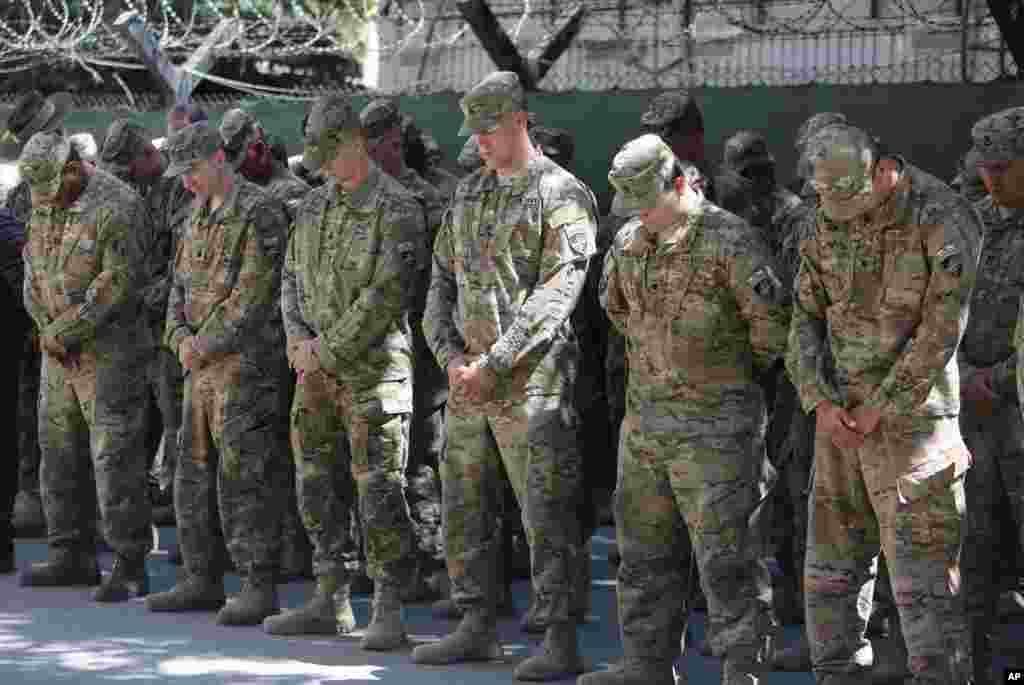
x=578, y=242
x=765, y=283
x=951, y=259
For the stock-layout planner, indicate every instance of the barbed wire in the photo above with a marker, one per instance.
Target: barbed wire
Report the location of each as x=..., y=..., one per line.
x=52, y=30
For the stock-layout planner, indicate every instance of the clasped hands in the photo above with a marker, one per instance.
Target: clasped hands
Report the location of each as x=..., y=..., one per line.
x=846, y=428
x=55, y=349
x=472, y=383
x=304, y=358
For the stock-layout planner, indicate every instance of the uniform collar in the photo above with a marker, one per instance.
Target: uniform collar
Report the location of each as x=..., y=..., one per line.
x=364, y=194
x=896, y=209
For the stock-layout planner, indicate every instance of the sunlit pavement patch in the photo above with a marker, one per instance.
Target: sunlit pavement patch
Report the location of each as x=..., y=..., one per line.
x=317, y=673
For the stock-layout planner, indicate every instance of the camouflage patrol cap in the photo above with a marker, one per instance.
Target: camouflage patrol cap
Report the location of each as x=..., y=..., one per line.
x=32, y=113
x=469, y=157
x=43, y=158
x=673, y=106
x=238, y=130
x=379, y=116
x=332, y=122
x=554, y=142
x=815, y=123
x=499, y=93
x=843, y=159
x=189, y=145
x=746, y=149
x=999, y=137
x=126, y=141
x=639, y=173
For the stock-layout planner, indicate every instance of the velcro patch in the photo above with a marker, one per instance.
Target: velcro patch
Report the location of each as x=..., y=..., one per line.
x=765, y=283
x=408, y=252
x=569, y=214
x=951, y=259
x=578, y=242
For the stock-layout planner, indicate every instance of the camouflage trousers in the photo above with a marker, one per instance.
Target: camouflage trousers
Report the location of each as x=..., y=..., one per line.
x=995, y=437
x=790, y=441
x=293, y=534
x=28, y=415
x=901, y=492
x=535, y=441
x=97, y=409
x=677, y=486
x=167, y=387
x=230, y=454
x=326, y=416
x=426, y=446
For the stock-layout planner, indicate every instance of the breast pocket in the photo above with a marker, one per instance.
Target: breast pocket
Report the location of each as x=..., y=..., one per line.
x=82, y=264
x=905, y=275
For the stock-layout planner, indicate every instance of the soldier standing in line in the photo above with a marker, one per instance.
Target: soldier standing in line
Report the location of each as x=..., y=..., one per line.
x=224, y=321
x=250, y=153
x=383, y=124
x=32, y=113
x=968, y=181
x=128, y=154
x=356, y=247
x=747, y=187
x=990, y=418
x=881, y=304
x=694, y=290
x=85, y=265
x=509, y=268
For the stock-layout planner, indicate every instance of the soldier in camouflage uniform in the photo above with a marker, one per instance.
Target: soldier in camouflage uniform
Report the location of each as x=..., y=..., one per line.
x=382, y=122
x=676, y=117
x=510, y=264
x=591, y=328
x=128, y=154
x=469, y=157
x=436, y=175
x=796, y=444
x=991, y=419
x=31, y=114
x=85, y=264
x=747, y=187
x=694, y=291
x=968, y=181
x=881, y=304
x=224, y=322
x=352, y=264
x=250, y=152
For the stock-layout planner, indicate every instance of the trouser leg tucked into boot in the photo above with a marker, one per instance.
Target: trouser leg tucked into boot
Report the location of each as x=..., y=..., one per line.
x=475, y=639
x=559, y=657
x=257, y=600
x=66, y=567
x=127, y=580
x=386, y=630
x=318, y=616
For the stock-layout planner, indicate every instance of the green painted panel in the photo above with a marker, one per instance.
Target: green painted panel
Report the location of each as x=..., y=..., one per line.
x=928, y=123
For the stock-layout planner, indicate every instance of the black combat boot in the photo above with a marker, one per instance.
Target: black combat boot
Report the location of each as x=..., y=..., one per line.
x=127, y=580
x=65, y=568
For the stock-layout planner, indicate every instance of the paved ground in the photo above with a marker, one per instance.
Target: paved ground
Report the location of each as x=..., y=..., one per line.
x=61, y=636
